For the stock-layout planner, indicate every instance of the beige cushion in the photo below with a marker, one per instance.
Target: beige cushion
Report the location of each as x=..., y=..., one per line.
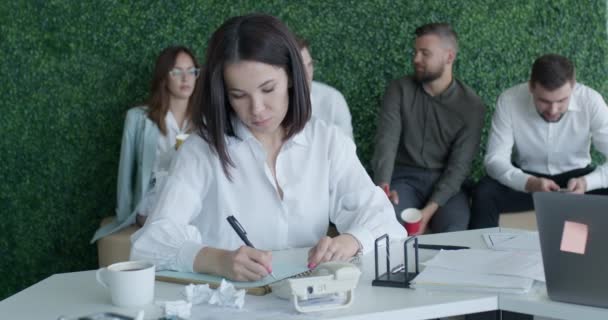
x=115, y=247
x=518, y=220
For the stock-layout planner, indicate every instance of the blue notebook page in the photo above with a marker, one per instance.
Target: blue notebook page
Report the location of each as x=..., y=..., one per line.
x=286, y=264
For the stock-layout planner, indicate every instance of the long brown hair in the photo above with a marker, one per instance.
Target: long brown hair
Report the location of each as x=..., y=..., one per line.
x=255, y=37
x=158, y=101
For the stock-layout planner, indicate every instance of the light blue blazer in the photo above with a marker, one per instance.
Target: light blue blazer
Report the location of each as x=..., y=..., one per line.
x=137, y=158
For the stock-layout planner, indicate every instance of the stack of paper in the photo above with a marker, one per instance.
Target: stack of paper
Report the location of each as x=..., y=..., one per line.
x=482, y=270
x=445, y=279
x=480, y=261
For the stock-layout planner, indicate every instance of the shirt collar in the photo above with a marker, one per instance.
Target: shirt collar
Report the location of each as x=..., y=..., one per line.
x=447, y=92
x=243, y=133
x=240, y=129
x=172, y=123
x=573, y=104
x=301, y=138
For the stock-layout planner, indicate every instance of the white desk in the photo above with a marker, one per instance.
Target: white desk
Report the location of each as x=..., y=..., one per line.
x=78, y=294
x=537, y=303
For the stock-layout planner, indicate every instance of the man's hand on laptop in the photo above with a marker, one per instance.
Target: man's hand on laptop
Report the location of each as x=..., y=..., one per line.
x=577, y=185
x=537, y=184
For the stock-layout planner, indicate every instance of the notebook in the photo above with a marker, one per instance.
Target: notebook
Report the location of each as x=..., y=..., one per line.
x=573, y=233
x=286, y=264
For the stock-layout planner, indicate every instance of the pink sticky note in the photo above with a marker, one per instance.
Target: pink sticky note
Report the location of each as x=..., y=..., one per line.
x=574, y=237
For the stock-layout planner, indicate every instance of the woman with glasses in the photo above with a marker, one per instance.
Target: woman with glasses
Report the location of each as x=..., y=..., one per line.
x=258, y=156
x=150, y=135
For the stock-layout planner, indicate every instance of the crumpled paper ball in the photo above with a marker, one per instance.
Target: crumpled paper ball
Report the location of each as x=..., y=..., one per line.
x=178, y=308
x=225, y=295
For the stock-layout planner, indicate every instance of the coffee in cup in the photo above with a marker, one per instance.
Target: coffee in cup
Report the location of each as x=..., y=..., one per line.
x=411, y=218
x=131, y=283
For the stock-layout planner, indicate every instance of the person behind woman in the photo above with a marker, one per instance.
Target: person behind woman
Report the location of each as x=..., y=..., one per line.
x=257, y=156
x=149, y=136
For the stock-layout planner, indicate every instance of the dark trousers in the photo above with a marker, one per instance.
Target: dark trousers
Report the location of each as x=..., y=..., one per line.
x=415, y=186
x=491, y=198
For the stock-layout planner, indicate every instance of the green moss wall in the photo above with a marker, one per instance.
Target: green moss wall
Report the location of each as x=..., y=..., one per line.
x=71, y=69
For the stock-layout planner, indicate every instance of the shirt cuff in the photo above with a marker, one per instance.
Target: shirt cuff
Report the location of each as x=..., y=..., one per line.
x=594, y=180
x=518, y=181
x=365, y=238
x=187, y=254
x=382, y=175
x=439, y=198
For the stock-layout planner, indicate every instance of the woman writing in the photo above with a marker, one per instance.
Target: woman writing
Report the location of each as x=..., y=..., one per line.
x=257, y=155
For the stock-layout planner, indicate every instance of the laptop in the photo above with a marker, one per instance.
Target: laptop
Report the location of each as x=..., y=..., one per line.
x=573, y=231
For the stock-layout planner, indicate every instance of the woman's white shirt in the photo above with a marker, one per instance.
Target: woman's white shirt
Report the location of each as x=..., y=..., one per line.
x=318, y=171
x=165, y=147
x=165, y=151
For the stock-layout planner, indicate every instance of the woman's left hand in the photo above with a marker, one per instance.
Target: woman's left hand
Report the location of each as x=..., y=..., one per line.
x=340, y=248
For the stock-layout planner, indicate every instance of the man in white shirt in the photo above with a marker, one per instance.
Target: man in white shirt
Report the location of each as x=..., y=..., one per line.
x=328, y=104
x=540, y=141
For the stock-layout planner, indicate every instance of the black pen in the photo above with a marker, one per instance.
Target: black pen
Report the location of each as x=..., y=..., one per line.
x=238, y=228
x=440, y=247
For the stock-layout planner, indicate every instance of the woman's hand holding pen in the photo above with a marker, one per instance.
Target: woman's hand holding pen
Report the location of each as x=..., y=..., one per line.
x=342, y=247
x=243, y=264
x=248, y=264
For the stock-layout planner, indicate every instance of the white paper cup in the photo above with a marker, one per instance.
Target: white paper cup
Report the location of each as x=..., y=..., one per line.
x=131, y=283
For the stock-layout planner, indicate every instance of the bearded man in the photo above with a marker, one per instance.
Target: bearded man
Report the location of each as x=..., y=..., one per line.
x=429, y=130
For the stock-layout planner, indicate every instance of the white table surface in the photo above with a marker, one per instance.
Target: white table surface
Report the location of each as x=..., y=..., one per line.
x=537, y=302
x=78, y=294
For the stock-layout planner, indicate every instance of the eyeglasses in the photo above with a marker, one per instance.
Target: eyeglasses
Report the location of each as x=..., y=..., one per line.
x=178, y=73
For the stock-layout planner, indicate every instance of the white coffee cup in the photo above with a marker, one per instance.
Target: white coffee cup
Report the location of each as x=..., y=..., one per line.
x=131, y=283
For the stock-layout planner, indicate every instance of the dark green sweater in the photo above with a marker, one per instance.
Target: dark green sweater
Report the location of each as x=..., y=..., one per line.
x=438, y=133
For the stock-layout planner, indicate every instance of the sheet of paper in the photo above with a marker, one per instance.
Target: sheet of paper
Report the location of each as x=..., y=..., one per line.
x=445, y=279
x=524, y=241
x=574, y=237
x=480, y=261
x=285, y=264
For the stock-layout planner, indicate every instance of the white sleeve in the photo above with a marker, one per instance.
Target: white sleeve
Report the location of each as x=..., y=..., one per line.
x=500, y=147
x=168, y=239
x=599, y=135
x=342, y=114
x=358, y=207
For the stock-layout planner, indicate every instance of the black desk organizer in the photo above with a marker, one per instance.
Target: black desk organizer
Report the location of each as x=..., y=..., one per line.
x=399, y=279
